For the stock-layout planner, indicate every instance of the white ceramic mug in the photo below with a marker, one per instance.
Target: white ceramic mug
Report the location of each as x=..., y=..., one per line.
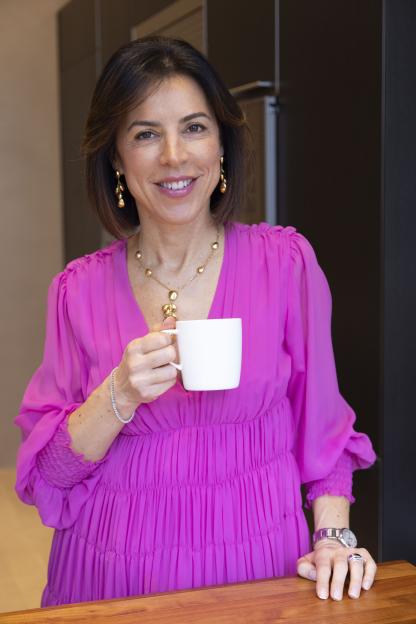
x=209, y=353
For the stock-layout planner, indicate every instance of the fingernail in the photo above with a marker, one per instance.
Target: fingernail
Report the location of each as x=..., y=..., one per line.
x=323, y=594
x=312, y=575
x=366, y=585
x=337, y=594
x=353, y=594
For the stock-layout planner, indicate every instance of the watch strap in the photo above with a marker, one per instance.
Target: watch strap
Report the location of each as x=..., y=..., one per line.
x=330, y=533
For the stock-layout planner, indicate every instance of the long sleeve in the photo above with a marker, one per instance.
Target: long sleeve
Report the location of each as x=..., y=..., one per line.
x=327, y=447
x=49, y=474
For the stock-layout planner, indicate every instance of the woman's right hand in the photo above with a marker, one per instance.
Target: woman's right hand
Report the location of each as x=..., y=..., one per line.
x=144, y=372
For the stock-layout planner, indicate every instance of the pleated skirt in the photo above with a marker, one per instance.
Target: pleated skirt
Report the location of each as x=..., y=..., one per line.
x=193, y=507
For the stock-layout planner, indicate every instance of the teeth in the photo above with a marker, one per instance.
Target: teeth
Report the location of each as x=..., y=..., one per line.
x=176, y=186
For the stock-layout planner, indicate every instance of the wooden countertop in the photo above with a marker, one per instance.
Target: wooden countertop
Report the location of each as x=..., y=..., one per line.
x=289, y=599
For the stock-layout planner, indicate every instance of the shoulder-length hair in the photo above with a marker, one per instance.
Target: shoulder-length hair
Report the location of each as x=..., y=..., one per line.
x=128, y=77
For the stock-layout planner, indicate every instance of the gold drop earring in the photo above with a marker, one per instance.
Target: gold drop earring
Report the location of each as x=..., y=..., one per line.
x=223, y=179
x=119, y=191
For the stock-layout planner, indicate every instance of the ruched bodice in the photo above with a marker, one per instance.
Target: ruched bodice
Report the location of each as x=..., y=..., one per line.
x=214, y=453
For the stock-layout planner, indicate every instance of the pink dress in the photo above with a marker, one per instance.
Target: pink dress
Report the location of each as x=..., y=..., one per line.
x=201, y=488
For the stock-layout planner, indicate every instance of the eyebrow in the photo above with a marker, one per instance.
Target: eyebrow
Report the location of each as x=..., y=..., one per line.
x=156, y=123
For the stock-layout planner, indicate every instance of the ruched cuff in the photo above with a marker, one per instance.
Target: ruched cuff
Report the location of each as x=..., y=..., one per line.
x=59, y=465
x=337, y=483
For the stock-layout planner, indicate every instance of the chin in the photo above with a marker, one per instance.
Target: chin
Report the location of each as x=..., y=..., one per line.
x=182, y=215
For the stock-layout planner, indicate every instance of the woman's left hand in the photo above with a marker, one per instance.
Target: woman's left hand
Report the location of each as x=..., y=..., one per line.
x=329, y=557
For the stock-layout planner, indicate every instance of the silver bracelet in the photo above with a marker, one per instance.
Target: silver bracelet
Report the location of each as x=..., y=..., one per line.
x=113, y=400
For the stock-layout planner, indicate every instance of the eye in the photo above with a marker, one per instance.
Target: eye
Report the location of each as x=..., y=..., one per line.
x=195, y=128
x=142, y=136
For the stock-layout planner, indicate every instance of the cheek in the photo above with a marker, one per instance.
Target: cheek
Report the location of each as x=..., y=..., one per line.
x=137, y=164
x=207, y=151
x=212, y=161
x=215, y=166
x=137, y=171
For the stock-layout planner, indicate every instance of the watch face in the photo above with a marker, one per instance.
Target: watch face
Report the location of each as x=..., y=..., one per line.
x=349, y=538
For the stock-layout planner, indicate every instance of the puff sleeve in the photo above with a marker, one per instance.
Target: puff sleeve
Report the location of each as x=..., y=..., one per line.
x=327, y=448
x=49, y=474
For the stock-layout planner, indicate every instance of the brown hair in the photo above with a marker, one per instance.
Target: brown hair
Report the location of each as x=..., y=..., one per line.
x=125, y=82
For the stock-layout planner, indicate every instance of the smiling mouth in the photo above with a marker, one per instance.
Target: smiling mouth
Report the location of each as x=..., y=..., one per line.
x=176, y=186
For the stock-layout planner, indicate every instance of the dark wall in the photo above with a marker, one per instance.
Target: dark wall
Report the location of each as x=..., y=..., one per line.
x=347, y=162
x=77, y=78
x=330, y=103
x=399, y=269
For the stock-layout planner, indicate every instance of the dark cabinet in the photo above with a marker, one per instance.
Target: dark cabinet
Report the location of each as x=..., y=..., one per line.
x=347, y=153
x=242, y=40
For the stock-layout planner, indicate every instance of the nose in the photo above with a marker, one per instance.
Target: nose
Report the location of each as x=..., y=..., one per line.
x=173, y=152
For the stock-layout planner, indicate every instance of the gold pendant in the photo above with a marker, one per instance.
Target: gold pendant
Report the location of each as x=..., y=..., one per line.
x=169, y=309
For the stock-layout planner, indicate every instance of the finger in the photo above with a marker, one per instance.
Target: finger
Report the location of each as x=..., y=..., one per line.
x=356, y=577
x=163, y=374
x=323, y=574
x=370, y=570
x=161, y=388
x=306, y=568
x=339, y=574
x=154, y=341
x=159, y=357
x=168, y=323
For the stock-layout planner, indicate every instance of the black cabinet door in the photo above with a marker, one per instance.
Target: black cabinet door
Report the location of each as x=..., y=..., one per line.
x=241, y=40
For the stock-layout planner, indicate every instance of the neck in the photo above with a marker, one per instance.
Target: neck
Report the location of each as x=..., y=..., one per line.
x=174, y=248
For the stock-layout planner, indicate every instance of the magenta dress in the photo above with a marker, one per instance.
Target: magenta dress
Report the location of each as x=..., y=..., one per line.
x=201, y=488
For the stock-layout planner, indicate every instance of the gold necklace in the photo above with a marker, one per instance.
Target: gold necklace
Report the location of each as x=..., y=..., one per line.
x=169, y=309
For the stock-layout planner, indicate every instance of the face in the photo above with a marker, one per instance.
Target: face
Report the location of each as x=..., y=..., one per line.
x=169, y=150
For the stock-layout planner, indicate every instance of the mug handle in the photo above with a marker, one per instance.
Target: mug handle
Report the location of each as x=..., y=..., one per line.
x=172, y=332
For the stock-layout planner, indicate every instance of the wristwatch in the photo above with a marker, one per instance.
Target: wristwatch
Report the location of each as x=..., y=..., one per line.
x=345, y=536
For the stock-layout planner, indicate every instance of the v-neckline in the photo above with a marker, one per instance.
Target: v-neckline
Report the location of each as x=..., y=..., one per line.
x=130, y=292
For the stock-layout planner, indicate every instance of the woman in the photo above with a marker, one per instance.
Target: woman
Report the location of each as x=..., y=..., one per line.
x=150, y=487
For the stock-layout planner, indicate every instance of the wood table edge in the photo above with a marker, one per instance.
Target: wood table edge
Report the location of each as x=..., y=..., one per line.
x=409, y=568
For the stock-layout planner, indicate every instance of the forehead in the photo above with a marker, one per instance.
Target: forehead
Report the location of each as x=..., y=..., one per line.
x=176, y=96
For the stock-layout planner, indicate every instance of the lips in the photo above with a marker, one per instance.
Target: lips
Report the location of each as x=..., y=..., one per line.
x=176, y=184
x=176, y=179
x=176, y=187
